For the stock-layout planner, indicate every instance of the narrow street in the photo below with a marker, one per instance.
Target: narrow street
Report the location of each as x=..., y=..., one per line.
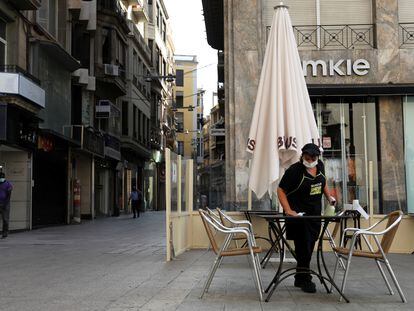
x=83, y=267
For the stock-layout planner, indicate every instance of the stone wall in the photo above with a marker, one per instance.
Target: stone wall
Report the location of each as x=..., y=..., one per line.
x=244, y=48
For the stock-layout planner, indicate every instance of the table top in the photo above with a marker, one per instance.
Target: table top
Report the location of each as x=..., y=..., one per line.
x=261, y=212
x=315, y=217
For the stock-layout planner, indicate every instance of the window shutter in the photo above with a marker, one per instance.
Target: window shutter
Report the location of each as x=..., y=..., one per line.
x=43, y=15
x=302, y=12
x=406, y=11
x=346, y=12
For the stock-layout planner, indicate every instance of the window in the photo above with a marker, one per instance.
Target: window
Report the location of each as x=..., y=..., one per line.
x=150, y=45
x=47, y=16
x=179, y=77
x=158, y=15
x=164, y=31
x=106, y=45
x=180, y=148
x=81, y=44
x=134, y=122
x=125, y=120
x=406, y=11
x=3, y=42
x=331, y=12
x=180, y=121
x=149, y=2
x=140, y=125
x=179, y=99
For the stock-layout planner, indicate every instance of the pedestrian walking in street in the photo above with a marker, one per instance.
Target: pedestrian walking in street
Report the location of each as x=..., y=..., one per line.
x=135, y=198
x=5, y=194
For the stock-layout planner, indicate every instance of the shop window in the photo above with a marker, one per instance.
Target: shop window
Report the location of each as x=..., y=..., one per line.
x=409, y=151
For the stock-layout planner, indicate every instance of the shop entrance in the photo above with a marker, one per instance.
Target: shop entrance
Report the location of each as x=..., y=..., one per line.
x=348, y=133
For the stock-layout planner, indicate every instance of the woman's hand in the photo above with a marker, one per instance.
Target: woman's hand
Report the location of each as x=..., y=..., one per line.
x=291, y=212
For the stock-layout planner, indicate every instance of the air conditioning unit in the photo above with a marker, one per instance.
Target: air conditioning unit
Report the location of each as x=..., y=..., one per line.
x=91, y=84
x=111, y=70
x=82, y=74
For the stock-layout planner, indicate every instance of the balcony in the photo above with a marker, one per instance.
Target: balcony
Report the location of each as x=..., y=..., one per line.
x=406, y=34
x=334, y=37
x=112, y=147
x=89, y=140
x=140, y=41
x=16, y=81
x=26, y=5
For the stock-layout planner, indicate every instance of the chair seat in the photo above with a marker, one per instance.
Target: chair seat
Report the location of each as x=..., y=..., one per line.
x=357, y=253
x=241, y=236
x=240, y=251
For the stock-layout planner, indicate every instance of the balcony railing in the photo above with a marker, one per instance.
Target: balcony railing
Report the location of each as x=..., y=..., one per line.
x=332, y=37
x=406, y=32
x=17, y=69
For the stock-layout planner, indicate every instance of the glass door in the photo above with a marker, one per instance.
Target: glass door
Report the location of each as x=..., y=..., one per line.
x=347, y=130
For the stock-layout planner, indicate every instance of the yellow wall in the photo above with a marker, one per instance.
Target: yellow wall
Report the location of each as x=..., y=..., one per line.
x=190, y=88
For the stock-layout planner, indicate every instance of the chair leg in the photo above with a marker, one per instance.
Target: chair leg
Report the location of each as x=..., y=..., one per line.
x=384, y=277
x=211, y=274
x=336, y=268
x=387, y=264
x=348, y=264
x=258, y=280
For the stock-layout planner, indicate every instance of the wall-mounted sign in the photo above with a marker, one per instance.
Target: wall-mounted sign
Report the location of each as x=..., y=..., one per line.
x=326, y=142
x=341, y=67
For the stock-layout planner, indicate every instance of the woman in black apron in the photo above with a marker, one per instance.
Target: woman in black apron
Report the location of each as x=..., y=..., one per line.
x=300, y=191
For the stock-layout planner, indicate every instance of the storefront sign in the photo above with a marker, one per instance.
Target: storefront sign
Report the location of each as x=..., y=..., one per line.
x=45, y=143
x=341, y=67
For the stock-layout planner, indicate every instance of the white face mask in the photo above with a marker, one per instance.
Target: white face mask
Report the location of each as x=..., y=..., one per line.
x=2, y=179
x=310, y=165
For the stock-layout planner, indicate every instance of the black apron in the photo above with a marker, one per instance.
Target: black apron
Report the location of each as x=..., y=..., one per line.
x=306, y=198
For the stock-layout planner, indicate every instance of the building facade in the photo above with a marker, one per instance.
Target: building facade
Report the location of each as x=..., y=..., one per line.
x=187, y=105
x=89, y=114
x=357, y=60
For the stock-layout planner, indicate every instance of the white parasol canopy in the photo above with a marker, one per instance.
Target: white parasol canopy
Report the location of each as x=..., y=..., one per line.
x=283, y=119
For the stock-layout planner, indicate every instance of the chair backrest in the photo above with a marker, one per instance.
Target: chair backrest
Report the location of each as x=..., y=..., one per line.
x=220, y=212
x=209, y=230
x=388, y=237
x=337, y=225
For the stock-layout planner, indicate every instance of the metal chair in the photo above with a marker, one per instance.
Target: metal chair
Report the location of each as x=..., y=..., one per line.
x=379, y=256
x=224, y=251
x=330, y=237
